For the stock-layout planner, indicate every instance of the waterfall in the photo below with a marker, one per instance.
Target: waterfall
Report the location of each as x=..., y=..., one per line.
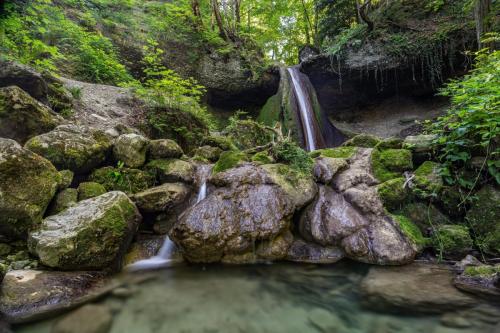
x=164, y=256
x=306, y=110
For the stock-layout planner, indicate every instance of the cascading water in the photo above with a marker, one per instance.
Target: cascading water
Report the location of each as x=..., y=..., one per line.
x=305, y=108
x=164, y=256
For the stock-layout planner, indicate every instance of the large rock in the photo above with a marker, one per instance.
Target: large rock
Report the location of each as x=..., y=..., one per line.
x=131, y=149
x=164, y=148
x=28, y=295
x=123, y=179
x=22, y=117
x=483, y=217
x=15, y=74
x=77, y=148
x=305, y=252
x=91, y=235
x=28, y=183
x=63, y=200
x=228, y=223
x=162, y=198
x=428, y=181
x=172, y=170
x=326, y=167
x=483, y=281
x=414, y=288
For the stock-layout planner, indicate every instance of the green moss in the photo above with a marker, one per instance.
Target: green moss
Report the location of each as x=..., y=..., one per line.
x=428, y=181
x=410, y=230
x=288, y=152
x=66, y=179
x=425, y=216
x=247, y=133
x=171, y=170
x=363, y=140
x=339, y=152
x=390, y=143
x=393, y=193
x=484, y=271
x=228, y=160
x=262, y=158
x=452, y=241
x=126, y=180
x=270, y=113
x=222, y=142
x=390, y=163
x=89, y=190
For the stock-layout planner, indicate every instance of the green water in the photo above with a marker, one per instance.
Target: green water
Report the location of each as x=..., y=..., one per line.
x=268, y=298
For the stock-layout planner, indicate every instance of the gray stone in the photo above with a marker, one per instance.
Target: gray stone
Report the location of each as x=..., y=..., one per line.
x=131, y=149
x=63, y=200
x=164, y=148
x=326, y=167
x=162, y=198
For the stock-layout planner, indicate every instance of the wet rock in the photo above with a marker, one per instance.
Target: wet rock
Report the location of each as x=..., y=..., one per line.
x=245, y=174
x=91, y=235
x=76, y=148
x=326, y=167
x=483, y=281
x=483, y=218
x=28, y=183
x=22, y=117
x=162, y=198
x=275, y=249
x=164, y=148
x=330, y=218
x=301, y=251
x=90, y=318
x=88, y=190
x=208, y=153
x=469, y=260
x=357, y=173
x=230, y=220
x=63, y=200
x=29, y=295
x=414, y=288
x=144, y=247
x=131, y=149
x=126, y=180
x=172, y=170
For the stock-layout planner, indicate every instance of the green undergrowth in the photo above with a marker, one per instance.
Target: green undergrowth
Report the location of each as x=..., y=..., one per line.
x=411, y=230
x=339, y=152
x=228, y=160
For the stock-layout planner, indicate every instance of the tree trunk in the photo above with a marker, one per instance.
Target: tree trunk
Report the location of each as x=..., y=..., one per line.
x=481, y=12
x=364, y=15
x=218, y=19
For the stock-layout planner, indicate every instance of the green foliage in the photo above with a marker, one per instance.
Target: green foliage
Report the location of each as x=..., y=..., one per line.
x=228, y=160
x=390, y=163
x=452, y=241
x=411, y=230
x=247, y=133
x=482, y=271
x=288, y=152
x=339, y=152
x=76, y=92
x=471, y=126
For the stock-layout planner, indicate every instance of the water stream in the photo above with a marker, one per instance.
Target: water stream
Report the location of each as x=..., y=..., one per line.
x=164, y=256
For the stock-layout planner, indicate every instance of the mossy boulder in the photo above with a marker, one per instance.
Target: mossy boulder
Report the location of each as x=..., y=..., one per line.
x=420, y=144
x=411, y=231
x=94, y=234
x=483, y=217
x=390, y=163
x=393, y=193
x=171, y=170
x=451, y=199
x=325, y=168
x=162, y=198
x=223, y=142
x=23, y=117
x=248, y=134
x=425, y=216
x=66, y=179
x=390, y=143
x=63, y=200
x=28, y=183
x=24, y=77
x=164, y=148
x=76, y=148
x=339, y=152
x=363, y=140
x=87, y=190
x=452, y=241
x=131, y=149
x=208, y=153
x=126, y=180
x=262, y=158
x=228, y=160
x=428, y=181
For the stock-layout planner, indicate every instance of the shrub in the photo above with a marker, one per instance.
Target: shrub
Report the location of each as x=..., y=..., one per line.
x=288, y=152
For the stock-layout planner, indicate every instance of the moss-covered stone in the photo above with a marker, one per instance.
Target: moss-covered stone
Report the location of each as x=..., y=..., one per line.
x=262, y=158
x=390, y=163
x=428, y=181
x=411, y=230
x=420, y=143
x=208, y=153
x=483, y=271
x=363, y=140
x=452, y=241
x=223, y=142
x=247, y=133
x=126, y=180
x=270, y=113
x=171, y=170
x=63, y=200
x=89, y=190
x=131, y=149
x=451, y=199
x=164, y=148
x=28, y=183
x=425, y=216
x=228, y=160
x=76, y=148
x=66, y=179
x=339, y=152
x=390, y=143
x=393, y=193
x=94, y=234
x=22, y=117
x=484, y=216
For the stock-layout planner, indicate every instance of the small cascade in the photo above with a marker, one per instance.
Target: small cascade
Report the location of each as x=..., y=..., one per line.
x=307, y=117
x=164, y=256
